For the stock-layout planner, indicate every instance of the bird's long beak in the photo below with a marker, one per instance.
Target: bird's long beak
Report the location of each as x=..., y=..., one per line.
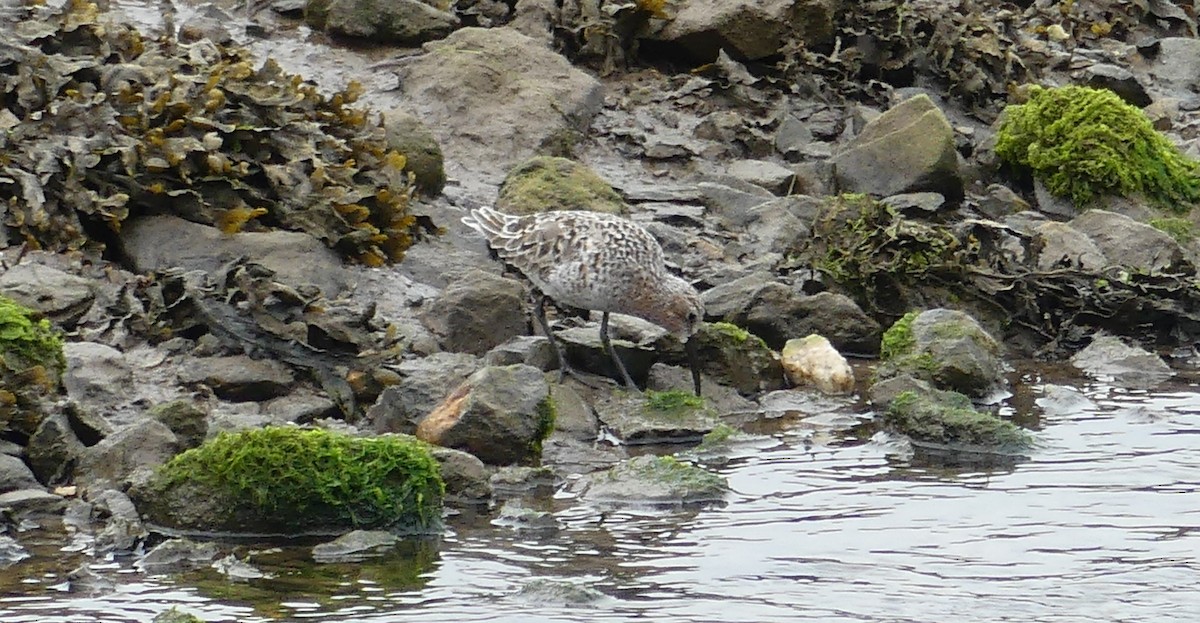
x=692, y=348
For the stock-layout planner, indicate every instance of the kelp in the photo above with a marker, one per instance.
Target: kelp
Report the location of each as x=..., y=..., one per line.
x=99, y=124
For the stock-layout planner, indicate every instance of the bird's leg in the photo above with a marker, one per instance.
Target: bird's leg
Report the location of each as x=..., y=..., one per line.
x=539, y=314
x=613, y=353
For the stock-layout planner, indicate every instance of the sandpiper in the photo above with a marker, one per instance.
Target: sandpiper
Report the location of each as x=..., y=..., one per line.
x=596, y=261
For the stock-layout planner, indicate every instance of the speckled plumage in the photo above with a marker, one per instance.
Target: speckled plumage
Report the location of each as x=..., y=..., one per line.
x=596, y=261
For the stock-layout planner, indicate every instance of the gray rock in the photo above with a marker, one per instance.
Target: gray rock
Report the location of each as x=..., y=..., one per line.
x=238, y=378
x=176, y=556
x=123, y=530
x=585, y=352
x=405, y=133
x=185, y=418
x=1177, y=64
x=54, y=449
x=950, y=349
x=516, y=516
x=31, y=504
x=734, y=357
x=61, y=296
x=495, y=97
x=778, y=313
x=499, y=414
x=1000, y=201
x=1126, y=242
x=909, y=148
x=720, y=398
x=15, y=474
x=568, y=457
x=523, y=481
x=355, y=546
x=724, y=300
x=733, y=205
x=397, y=22
x=301, y=406
x=774, y=228
x=1063, y=246
x=1109, y=358
x=1119, y=80
x=536, y=19
x=127, y=455
x=96, y=374
x=654, y=480
x=424, y=383
x=478, y=312
x=547, y=183
x=552, y=593
x=631, y=419
x=774, y=177
x=574, y=417
x=158, y=243
x=749, y=29
x=466, y=477
x=11, y=552
x=531, y=350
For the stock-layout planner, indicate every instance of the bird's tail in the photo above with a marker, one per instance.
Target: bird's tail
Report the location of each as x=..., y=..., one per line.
x=489, y=222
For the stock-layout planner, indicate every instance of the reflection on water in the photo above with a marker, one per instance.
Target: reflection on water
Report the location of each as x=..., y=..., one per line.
x=825, y=523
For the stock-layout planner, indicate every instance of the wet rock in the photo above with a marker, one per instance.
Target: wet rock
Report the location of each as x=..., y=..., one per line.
x=733, y=205
x=187, y=420
x=520, y=518
x=774, y=177
x=209, y=25
x=574, y=417
x=884, y=391
x=737, y=358
x=536, y=19
x=407, y=135
x=31, y=504
x=1126, y=242
x=813, y=361
x=465, y=476
x=127, y=455
x=1107, y=357
x=721, y=398
x=909, y=148
x=237, y=570
x=749, y=29
x=96, y=374
x=175, y=615
x=944, y=425
x=54, y=449
x=656, y=417
x=777, y=312
x=355, y=546
x=123, y=531
x=531, y=350
x=238, y=378
x=423, y=384
x=568, y=457
x=396, y=22
x=82, y=580
x=654, y=480
x=523, y=481
x=15, y=474
x=546, y=183
x=1063, y=246
x=919, y=205
x=302, y=407
x=551, y=593
x=499, y=414
x=772, y=228
x=61, y=296
x=158, y=243
x=494, y=97
x=11, y=552
x=584, y=351
x=1000, y=201
x=478, y=312
x=948, y=348
x=176, y=556
x=724, y=300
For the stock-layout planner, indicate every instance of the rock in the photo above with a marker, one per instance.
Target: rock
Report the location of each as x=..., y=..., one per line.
x=117, y=460
x=552, y=593
x=31, y=504
x=656, y=417
x=61, y=296
x=11, y=552
x=1063, y=246
x=1126, y=242
x=948, y=348
x=520, y=518
x=909, y=148
x=574, y=417
x=177, y=556
x=944, y=425
x=737, y=358
x=546, y=183
x=748, y=29
x=405, y=133
x=494, y=97
x=722, y=399
x=478, y=312
x=654, y=480
x=395, y=22
x=499, y=414
x=1108, y=358
x=175, y=615
x=584, y=351
x=772, y=228
x=238, y=378
x=774, y=177
x=536, y=19
x=54, y=449
x=15, y=474
x=568, y=457
x=187, y=420
x=523, y=481
x=301, y=406
x=812, y=360
x=123, y=531
x=725, y=300
x=777, y=312
x=1119, y=80
x=159, y=243
x=96, y=374
x=423, y=384
x=733, y=205
x=1177, y=64
x=466, y=477
x=531, y=350
x=355, y=546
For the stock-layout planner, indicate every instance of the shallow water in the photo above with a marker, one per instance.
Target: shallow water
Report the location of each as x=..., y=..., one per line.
x=1102, y=524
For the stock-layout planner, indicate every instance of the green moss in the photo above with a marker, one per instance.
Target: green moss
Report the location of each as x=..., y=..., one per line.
x=672, y=401
x=898, y=340
x=737, y=334
x=26, y=341
x=283, y=471
x=175, y=615
x=546, y=183
x=950, y=419
x=1181, y=229
x=1083, y=142
x=669, y=470
x=547, y=414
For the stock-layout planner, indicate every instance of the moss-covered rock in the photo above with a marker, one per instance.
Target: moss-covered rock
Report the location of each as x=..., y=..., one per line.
x=1083, y=142
x=947, y=421
x=291, y=480
x=736, y=357
x=656, y=417
x=409, y=136
x=546, y=183
x=945, y=347
x=31, y=366
x=656, y=480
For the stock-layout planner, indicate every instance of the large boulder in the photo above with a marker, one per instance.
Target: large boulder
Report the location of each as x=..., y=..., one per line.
x=909, y=148
x=947, y=348
x=1126, y=242
x=777, y=313
x=477, y=313
x=749, y=29
x=545, y=183
x=494, y=97
x=397, y=22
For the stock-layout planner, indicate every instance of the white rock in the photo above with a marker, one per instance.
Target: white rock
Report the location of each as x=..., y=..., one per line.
x=814, y=361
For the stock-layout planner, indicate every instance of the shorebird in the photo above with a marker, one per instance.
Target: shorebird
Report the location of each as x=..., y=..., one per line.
x=596, y=261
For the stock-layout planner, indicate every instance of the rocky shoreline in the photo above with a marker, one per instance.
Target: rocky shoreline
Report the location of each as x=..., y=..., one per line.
x=803, y=188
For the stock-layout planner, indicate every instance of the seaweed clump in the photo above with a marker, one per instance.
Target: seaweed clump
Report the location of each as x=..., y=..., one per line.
x=291, y=480
x=101, y=124
x=1084, y=142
